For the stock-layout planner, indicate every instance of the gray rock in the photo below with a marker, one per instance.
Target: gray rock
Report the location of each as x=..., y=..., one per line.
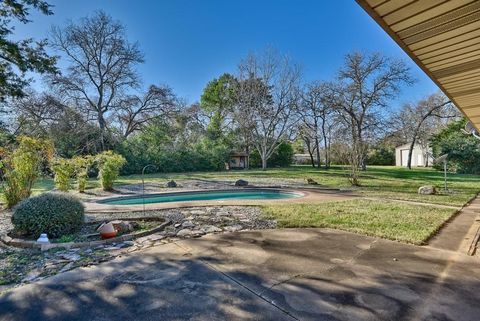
x=211, y=229
x=174, y=216
x=112, y=248
x=156, y=237
x=241, y=182
x=172, y=184
x=70, y=256
x=184, y=232
x=67, y=267
x=233, y=228
x=187, y=224
x=197, y=233
x=427, y=190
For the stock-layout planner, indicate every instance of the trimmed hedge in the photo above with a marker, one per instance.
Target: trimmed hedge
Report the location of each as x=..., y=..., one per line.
x=56, y=214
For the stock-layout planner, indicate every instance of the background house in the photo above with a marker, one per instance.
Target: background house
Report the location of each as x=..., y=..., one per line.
x=419, y=155
x=238, y=160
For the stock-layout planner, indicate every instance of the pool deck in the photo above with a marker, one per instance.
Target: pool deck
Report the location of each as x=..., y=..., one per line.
x=310, y=195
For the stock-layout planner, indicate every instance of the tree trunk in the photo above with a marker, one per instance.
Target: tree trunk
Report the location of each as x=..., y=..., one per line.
x=317, y=146
x=361, y=151
x=410, y=152
x=327, y=156
x=325, y=144
x=306, y=139
x=264, y=162
x=102, y=124
x=311, y=158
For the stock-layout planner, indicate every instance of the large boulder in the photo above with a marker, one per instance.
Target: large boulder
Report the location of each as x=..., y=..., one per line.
x=172, y=184
x=427, y=190
x=241, y=182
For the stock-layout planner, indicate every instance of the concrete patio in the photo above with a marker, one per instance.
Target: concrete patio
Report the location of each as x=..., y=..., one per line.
x=304, y=274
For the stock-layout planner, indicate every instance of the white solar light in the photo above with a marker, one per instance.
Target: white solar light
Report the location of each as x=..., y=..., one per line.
x=43, y=239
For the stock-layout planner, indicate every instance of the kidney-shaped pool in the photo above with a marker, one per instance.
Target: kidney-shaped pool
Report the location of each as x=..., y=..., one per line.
x=253, y=194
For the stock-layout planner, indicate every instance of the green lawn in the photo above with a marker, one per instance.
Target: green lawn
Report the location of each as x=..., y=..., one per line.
x=387, y=219
x=384, y=218
x=378, y=181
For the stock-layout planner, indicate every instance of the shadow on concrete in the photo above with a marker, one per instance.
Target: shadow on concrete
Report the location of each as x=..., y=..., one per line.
x=133, y=289
x=280, y=275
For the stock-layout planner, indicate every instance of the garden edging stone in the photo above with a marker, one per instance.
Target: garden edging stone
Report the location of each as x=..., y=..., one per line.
x=33, y=244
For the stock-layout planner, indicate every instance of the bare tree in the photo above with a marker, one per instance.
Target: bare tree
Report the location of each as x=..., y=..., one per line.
x=308, y=137
x=102, y=64
x=136, y=110
x=417, y=122
x=34, y=113
x=45, y=115
x=366, y=84
x=272, y=93
x=317, y=116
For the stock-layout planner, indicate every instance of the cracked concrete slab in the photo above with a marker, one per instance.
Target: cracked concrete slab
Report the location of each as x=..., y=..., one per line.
x=304, y=274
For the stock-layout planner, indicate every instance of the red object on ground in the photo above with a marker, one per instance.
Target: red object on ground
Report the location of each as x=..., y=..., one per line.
x=108, y=235
x=107, y=231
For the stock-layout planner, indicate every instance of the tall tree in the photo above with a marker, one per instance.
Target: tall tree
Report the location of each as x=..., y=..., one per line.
x=216, y=101
x=317, y=118
x=419, y=121
x=366, y=84
x=134, y=111
x=102, y=65
x=307, y=136
x=271, y=93
x=45, y=116
x=17, y=57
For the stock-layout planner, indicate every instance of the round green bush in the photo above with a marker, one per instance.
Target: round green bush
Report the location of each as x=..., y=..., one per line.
x=56, y=214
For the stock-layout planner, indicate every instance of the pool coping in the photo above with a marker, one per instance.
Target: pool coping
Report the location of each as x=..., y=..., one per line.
x=202, y=191
x=309, y=195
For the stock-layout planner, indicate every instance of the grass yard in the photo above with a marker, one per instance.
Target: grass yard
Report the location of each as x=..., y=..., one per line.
x=387, y=219
x=383, y=217
x=378, y=181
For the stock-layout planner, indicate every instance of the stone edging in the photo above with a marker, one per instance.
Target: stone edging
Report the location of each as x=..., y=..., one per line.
x=118, y=239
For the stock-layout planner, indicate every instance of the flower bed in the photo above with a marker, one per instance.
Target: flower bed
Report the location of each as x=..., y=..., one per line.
x=86, y=237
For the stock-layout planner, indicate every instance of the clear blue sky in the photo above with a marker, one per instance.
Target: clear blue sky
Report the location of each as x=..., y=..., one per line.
x=189, y=42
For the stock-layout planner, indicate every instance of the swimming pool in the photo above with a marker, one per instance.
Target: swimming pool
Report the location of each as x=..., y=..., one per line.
x=254, y=194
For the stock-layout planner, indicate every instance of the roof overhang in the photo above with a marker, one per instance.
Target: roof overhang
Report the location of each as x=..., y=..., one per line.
x=443, y=38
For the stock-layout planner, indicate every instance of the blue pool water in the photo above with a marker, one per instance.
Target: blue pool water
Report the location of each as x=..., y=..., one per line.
x=204, y=196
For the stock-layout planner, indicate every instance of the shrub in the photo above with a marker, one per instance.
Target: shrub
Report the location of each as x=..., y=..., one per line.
x=381, y=156
x=109, y=165
x=82, y=165
x=56, y=214
x=21, y=167
x=281, y=157
x=63, y=170
x=463, y=150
